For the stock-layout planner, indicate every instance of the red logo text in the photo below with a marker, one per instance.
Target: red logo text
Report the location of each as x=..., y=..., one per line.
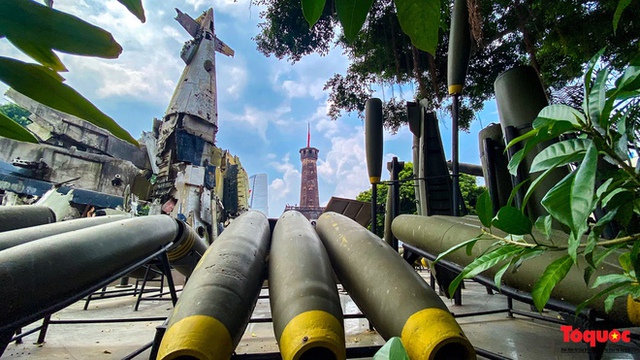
x=591, y=337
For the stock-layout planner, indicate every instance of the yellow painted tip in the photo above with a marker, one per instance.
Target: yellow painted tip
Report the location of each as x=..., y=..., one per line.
x=313, y=331
x=633, y=310
x=455, y=89
x=434, y=334
x=199, y=336
x=374, y=179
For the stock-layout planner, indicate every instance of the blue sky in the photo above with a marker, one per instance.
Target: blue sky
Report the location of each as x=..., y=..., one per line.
x=264, y=104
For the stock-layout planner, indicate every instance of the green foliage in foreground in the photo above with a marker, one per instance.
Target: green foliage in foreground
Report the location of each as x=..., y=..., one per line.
x=37, y=30
x=600, y=137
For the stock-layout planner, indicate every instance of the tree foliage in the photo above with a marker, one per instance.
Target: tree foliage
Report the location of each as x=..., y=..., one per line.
x=38, y=31
x=16, y=113
x=556, y=38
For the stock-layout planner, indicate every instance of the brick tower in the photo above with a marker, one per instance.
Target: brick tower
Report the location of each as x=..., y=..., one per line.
x=309, y=199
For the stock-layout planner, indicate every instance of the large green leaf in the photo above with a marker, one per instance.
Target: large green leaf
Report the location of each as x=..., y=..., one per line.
x=37, y=82
x=485, y=262
x=420, y=20
x=134, y=7
x=12, y=130
x=352, y=14
x=622, y=4
x=609, y=289
x=312, y=10
x=541, y=135
x=543, y=224
x=392, y=350
x=597, y=99
x=572, y=200
x=582, y=195
x=610, y=279
x=512, y=221
x=39, y=53
x=26, y=21
x=563, y=150
x=515, y=161
x=626, y=288
x=591, y=64
x=540, y=178
x=629, y=80
x=484, y=208
x=456, y=247
x=552, y=275
x=557, y=113
x=557, y=201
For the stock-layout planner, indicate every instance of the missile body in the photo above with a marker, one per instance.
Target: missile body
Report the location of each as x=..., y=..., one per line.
x=187, y=249
x=494, y=165
x=35, y=275
x=459, y=47
x=435, y=234
x=520, y=97
x=20, y=236
x=390, y=293
x=20, y=217
x=307, y=316
x=373, y=138
x=217, y=301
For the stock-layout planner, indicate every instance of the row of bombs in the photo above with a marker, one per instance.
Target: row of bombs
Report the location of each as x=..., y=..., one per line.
x=216, y=303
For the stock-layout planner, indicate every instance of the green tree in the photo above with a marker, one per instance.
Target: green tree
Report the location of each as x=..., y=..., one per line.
x=16, y=113
x=556, y=38
x=470, y=192
x=468, y=187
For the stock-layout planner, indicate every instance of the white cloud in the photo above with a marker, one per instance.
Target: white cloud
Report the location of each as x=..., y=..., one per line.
x=280, y=189
x=344, y=165
x=232, y=80
x=259, y=120
x=306, y=78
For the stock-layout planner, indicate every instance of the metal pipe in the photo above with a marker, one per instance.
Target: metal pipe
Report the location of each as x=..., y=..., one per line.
x=217, y=301
x=390, y=293
x=467, y=168
x=307, y=316
x=20, y=217
x=21, y=236
x=34, y=276
x=435, y=234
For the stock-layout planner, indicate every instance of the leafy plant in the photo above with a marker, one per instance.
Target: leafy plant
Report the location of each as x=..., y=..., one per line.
x=419, y=19
x=37, y=30
x=596, y=141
